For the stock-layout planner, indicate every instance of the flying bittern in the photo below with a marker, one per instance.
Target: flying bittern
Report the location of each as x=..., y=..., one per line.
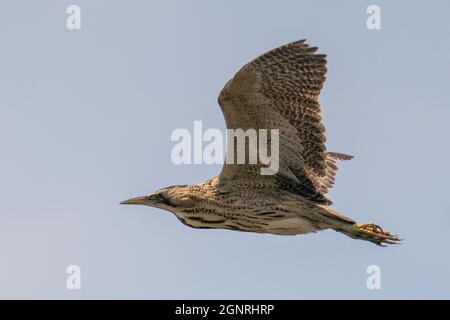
x=277, y=90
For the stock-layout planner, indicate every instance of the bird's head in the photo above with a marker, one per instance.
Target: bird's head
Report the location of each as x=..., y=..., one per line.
x=169, y=198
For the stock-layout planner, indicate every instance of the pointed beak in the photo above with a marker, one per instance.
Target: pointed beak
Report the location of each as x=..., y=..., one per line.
x=137, y=200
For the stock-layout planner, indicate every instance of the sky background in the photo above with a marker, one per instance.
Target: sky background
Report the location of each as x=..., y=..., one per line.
x=86, y=118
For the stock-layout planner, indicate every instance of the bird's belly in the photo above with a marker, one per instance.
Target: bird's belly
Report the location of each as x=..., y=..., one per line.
x=280, y=220
x=291, y=226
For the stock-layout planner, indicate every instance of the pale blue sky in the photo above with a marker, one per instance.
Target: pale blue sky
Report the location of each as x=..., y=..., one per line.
x=86, y=118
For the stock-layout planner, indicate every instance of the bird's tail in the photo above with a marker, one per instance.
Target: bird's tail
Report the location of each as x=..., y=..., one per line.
x=339, y=156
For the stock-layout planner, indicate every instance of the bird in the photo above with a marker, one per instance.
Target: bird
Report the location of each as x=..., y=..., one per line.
x=277, y=90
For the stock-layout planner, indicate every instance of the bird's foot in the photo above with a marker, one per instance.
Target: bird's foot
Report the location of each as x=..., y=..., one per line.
x=373, y=233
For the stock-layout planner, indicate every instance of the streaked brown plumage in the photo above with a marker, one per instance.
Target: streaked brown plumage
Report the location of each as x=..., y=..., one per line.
x=277, y=90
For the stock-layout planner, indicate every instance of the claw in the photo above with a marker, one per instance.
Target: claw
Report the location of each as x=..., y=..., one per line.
x=374, y=233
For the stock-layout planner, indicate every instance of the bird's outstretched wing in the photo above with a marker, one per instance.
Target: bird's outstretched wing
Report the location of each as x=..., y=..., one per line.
x=279, y=90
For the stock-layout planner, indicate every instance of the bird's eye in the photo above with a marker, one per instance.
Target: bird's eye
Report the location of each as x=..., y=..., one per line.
x=161, y=198
x=156, y=197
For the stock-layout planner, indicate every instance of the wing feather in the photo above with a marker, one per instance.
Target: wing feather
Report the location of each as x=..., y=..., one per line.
x=279, y=90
